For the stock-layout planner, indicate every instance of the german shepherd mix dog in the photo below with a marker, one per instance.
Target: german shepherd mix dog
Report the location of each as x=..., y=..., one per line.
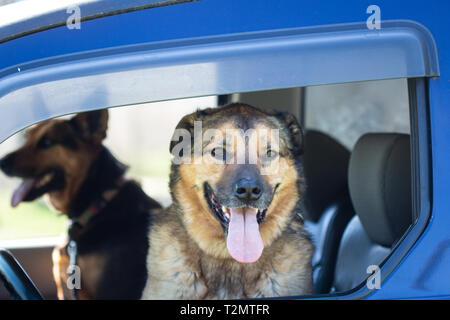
x=234, y=229
x=66, y=160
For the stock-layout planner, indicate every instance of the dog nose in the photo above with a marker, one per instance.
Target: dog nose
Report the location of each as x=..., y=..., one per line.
x=6, y=162
x=248, y=189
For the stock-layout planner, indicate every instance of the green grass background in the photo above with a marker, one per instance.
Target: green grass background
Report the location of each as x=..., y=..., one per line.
x=28, y=220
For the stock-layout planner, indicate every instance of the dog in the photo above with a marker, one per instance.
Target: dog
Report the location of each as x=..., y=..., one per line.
x=234, y=229
x=107, y=240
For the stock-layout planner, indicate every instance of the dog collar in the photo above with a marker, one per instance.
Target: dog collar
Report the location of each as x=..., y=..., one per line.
x=95, y=207
x=91, y=211
x=83, y=219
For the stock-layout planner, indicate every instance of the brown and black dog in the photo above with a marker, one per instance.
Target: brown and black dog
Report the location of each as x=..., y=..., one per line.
x=66, y=160
x=234, y=229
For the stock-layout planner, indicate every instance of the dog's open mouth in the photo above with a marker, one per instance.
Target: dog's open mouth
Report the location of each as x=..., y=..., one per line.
x=241, y=224
x=32, y=188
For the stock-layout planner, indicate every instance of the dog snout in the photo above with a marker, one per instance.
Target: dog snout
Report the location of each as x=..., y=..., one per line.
x=248, y=189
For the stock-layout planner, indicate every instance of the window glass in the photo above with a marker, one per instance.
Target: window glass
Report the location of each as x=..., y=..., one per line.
x=347, y=111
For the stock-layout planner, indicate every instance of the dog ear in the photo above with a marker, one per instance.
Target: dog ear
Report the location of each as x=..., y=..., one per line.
x=91, y=125
x=295, y=131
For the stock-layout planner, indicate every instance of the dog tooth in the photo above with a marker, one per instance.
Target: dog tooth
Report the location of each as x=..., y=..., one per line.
x=45, y=179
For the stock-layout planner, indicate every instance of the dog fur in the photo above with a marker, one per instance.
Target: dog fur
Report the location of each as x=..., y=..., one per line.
x=188, y=256
x=79, y=171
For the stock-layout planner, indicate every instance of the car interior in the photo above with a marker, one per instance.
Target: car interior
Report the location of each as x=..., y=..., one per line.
x=357, y=206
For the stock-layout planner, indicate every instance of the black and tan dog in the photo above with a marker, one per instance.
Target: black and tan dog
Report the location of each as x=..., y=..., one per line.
x=66, y=160
x=234, y=229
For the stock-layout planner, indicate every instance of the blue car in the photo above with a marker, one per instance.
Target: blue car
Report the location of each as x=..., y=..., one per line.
x=368, y=81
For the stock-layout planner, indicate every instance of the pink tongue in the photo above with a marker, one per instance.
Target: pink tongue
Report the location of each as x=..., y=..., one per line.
x=21, y=192
x=244, y=242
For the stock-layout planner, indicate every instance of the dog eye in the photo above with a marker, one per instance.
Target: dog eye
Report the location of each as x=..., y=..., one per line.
x=45, y=143
x=270, y=155
x=219, y=154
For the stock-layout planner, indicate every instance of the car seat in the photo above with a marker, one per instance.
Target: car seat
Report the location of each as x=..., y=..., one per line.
x=327, y=205
x=380, y=190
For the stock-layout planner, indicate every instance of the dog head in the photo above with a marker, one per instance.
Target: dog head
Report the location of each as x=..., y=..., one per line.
x=56, y=157
x=236, y=178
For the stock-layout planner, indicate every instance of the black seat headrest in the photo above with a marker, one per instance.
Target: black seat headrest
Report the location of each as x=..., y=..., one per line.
x=325, y=165
x=380, y=185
